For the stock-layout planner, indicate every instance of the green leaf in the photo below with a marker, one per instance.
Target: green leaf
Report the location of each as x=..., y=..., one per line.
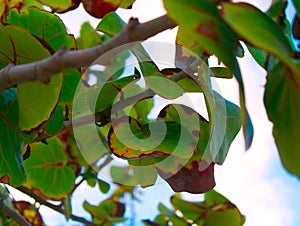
x=104, y=95
x=231, y=115
x=88, y=37
x=61, y=4
x=282, y=102
x=267, y=35
x=103, y=186
x=37, y=102
x=221, y=72
x=47, y=27
x=106, y=210
x=121, y=175
x=50, y=161
x=111, y=24
x=164, y=87
x=56, y=122
x=11, y=140
x=215, y=211
x=127, y=4
x=203, y=22
x=259, y=56
x=17, y=46
x=70, y=84
x=131, y=140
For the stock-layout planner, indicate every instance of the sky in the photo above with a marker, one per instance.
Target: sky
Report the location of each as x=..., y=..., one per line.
x=254, y=180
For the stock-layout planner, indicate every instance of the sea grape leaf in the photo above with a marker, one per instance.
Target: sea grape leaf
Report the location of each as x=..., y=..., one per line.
x=33, y=96
x=164, y=87
x=88, y=36
x=201, y=213
x=103, y=95
x=127, y=4
x=108, y=211
x=11, y=140
x=37, y=102
x=47, y=27
x=282, y=103
x=221, y=72
x=69, y=86
x=187, y=83
x=130, y=140
x=231, y=115
x=242, y=16
x=57, y=4
x=56, y=122
x=50, y=161
x=259, y=55
x=111, y=24
x=204, y=23
x=13, y=41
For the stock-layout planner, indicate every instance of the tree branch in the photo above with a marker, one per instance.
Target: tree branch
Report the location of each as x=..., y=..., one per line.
x=43, y=70
x=57, y=208
x=11, y=213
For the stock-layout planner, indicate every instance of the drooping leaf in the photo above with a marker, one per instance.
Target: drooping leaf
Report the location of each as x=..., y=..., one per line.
x=204, y=23
x=259, y=56
x=242, y=16
x=282, y=102
x=11, y=140
x=50, y=161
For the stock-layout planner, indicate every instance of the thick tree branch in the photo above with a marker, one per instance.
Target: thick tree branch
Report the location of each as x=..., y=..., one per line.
x=13, y=214
x=43, y=70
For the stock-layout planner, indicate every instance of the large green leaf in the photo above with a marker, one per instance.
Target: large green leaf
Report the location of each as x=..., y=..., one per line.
x=267, y=35
x=47, y=27
x=50, y=161
x=130, y=140
x=11, y=140
x=203, y=22
x=51, y=32
x=37, y=102
x=18, y=46
x=282, y=101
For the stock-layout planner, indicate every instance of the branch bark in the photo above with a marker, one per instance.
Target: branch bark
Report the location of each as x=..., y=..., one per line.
x=43, y=70
x=11, y=213
x=56, y=208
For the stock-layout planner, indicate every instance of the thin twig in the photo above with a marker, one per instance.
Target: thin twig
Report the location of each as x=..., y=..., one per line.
x=11, y=213
x=57, y=208
x=43, y=70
